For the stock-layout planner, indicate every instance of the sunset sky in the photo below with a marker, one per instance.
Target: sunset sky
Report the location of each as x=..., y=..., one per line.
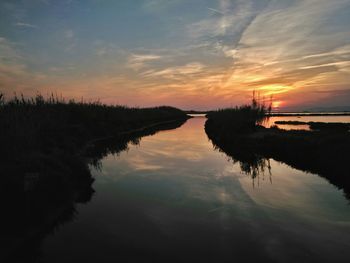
x=192, y=54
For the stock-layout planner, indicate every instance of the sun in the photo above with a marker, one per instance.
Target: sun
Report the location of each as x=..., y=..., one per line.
x=277, y=104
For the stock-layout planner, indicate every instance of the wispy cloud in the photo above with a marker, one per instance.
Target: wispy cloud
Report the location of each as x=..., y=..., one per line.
x=343, y=50
x=276, y=52
x=232, y=18
x=339, y=64
x=159, y=6
x=8, y=53
x=138, y=61
x=178, y=51
x=70, y=40
x=215, y=11
x=25, y=25
x=69, y=34
x=188, y=69
x=14, y=73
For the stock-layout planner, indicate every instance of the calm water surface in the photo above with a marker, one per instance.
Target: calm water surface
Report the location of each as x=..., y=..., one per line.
x=174, y=198
x=271, y=121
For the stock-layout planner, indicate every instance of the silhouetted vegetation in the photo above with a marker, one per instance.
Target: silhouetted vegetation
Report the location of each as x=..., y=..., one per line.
x=284, y=114
x=196, y=112
x=240, y=119
x=35, y=133
x=325, y=150
x=47, y=145
x=45, y=124
x=321, y=126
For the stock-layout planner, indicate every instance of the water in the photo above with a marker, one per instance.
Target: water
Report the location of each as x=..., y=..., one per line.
x=174, y=198
x=271, y=121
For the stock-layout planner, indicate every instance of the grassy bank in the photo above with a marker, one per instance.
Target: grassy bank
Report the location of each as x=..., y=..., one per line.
x=239, y=120
x=45, y=124
x=49, y=127
x=324, y=151
x=44, y=138
x=47, y=145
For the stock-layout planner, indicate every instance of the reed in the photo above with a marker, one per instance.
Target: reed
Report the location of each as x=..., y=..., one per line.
x=45, y=124
x=241, y=119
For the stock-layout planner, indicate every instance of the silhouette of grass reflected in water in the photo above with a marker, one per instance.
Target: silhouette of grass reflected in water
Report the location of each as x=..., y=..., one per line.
x=52, y=204
x=324, y=151
x=250, y=164
x=47, y=147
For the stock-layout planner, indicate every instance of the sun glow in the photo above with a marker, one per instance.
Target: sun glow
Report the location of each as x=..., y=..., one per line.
x=269, y=90
x=277, y=104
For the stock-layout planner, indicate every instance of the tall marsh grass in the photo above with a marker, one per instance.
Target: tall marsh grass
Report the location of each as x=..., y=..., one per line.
x=47, y=123
x=241, y=118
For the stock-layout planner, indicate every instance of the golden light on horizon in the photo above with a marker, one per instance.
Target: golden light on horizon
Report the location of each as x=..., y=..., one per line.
x=218, y=58
x=277, y=104
x=270, y=90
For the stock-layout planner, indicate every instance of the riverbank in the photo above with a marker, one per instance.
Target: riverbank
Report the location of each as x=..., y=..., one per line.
x=296, y=114
x=324, y=151
x=47, y=148
x=49, y=206
x=53, y=129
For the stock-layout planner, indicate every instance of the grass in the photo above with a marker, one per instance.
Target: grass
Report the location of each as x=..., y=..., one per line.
x=46, y=135
x=45, y=124
x=245, y=118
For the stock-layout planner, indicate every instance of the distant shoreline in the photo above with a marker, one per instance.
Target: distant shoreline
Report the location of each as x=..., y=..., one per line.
x=280, y=114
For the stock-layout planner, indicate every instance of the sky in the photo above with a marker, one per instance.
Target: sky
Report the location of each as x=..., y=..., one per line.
x=191, y=54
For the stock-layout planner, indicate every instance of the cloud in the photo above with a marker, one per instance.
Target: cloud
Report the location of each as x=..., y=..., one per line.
x=69, y=34
x=343, y=50
x=160, y=6
x=70, y=40
x=25, y=25
x=188, y=69
x=8, y=53
x=15, y=75
x=214, y=55
x=138, y=61
x=228, y=21
x=101, y=52
x=215, y=11
x=340, y=64
x=290, y=45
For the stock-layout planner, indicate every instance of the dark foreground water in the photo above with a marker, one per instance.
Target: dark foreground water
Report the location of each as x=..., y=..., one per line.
x=173, y=198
